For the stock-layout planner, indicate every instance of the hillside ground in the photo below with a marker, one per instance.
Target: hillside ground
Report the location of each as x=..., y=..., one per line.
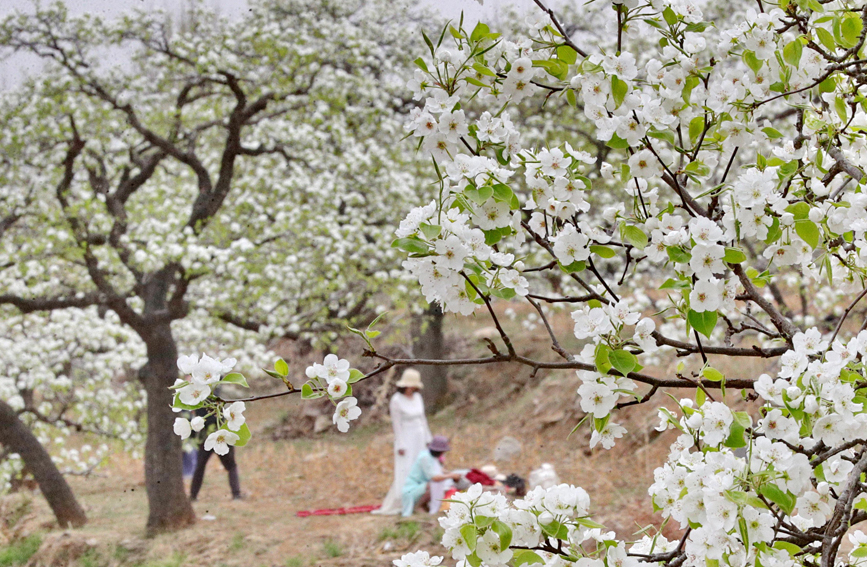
x=330, y=470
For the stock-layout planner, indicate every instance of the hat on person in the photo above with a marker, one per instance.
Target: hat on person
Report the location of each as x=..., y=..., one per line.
x=410, y=379
x=439, y=443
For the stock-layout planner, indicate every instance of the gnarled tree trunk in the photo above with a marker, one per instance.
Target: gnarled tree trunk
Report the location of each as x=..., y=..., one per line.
x=17, y=437
x=169, y=507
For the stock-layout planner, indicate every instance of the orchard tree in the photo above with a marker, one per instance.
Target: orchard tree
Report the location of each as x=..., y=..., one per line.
x=78, y=388
x=737, y=231
x=226, y=175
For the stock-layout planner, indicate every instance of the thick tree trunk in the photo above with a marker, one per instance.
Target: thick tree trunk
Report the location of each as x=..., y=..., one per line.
x=430, y=343
x=17, y=437
x=170, y=508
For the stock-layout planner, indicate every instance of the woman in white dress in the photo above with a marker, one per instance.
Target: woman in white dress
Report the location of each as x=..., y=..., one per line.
x=411, y=435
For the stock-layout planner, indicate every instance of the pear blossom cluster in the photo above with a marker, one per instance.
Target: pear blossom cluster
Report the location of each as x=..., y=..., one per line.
x=484, y=528
x=333, y=378
x=194, y=394
x=70, y=398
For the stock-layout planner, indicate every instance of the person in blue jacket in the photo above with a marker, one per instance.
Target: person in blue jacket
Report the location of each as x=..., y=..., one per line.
x=426, y=469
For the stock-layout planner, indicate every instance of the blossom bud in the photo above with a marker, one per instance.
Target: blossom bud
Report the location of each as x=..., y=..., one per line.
x=816, y=215
x=793, y=392
x=197, y=423
x=788, y=219
x=810, y=404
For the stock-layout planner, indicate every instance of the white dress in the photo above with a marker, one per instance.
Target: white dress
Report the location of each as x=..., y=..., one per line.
x=411, y=433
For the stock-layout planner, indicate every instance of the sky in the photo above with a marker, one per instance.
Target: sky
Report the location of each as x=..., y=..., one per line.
x=15, y=68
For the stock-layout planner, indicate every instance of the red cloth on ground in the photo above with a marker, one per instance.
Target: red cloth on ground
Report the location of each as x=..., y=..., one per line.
x=336, y=511
x=477, y=476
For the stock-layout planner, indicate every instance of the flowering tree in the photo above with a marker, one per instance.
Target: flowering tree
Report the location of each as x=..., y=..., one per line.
x=76, y=389
x=733, y=191
x=229, y=181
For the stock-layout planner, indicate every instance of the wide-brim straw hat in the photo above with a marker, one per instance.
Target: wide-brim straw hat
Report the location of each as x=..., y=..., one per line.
x=410, y=379
x=439, y=443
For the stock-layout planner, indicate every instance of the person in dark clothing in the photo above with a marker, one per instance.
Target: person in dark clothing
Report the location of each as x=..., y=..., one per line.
x=202, y=456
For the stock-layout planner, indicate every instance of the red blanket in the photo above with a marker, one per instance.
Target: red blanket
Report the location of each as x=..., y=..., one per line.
x=336, y=511
x=477, y=476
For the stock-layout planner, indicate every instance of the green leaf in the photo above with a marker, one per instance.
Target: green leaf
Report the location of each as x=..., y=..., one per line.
x=236, y=378
x=554, y=67
x=502, y=192
x=696, y=127
x=505, y=533
x=484, y=521
x=572, y=268
x=411, y=245
x=712, y=374
x=772, y=133
x=808, y=231
x=669, y=16
x=634, y=236
x=470, y=535
x=308, y=393
x=825, y=38
x=743, y=418
x=354, y=376
x=273, y=374
x=602, y=251
x=840, y=107
x=799, y=210
x=430, y=231
x=281, y=367
x=566, y=54
x=752, y=61
x=734, y=256
x=859, y=552
x=850, y=28
x=480, y=32
x=603, y=365
x=476, y=83
x=703, y=322
x=618, y=90
x=735, y=440
x=678, y=255
x=665, y=135
x=784, y=500
x=624, y=361
x=674, y=284
x=745, y=499
x=243, y=434
x=790, y=547
x=526, y=557
x=792, y=52
x=422, y=65
x=617, y=143
x=482, y=70
x=700, y=397
x=691, y=82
